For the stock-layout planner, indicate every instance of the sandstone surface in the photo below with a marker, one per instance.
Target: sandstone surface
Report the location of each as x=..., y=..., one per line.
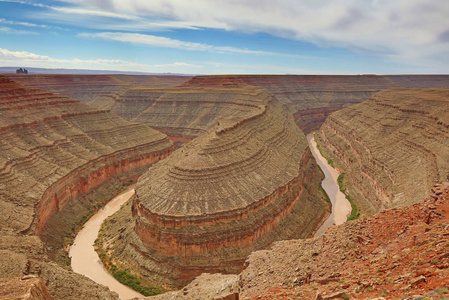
x=58, y=159
x=26, y=288
x=240, y=186
x=393, y=147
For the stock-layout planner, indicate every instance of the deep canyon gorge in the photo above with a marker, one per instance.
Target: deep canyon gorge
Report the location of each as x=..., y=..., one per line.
x=223, y=176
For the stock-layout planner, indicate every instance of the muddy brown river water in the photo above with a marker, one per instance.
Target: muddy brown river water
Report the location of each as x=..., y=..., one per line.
x=341, y=208
x=85, y=260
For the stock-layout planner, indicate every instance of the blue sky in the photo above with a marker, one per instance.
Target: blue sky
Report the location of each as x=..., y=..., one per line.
x=228, y=36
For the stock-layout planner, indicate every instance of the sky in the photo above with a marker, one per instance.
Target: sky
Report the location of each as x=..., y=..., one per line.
x=228, y=36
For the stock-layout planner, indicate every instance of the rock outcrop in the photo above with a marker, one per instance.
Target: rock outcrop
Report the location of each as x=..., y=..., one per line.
x=240, y=186
x=58, y=159
x=25, y=288
x=393, y=147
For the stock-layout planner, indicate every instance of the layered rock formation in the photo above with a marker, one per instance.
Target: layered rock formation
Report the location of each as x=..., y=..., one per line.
x=393, y=147
x=182, y=113
x=312, y=97
x=238, y=187
x=87, y=88
x=58, y=159
x=397, y=254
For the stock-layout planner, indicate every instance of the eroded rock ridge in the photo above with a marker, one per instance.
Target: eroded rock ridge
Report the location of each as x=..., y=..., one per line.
x=238, y=187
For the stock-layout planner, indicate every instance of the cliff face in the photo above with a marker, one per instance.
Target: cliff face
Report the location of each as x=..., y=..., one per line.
x=59, y=158
x=234, y=189
x=394, y=146
x=87, y=88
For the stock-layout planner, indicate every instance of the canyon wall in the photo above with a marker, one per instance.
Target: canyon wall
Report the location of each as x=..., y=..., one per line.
x=238, y=187
x=58, y=159
x=311, y=98
x=181, y=113
x=393, y=147
x=87, y=88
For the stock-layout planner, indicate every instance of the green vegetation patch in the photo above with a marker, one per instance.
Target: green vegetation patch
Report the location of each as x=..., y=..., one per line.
x=123, y=276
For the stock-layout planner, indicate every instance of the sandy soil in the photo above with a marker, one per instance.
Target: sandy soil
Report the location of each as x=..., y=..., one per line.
x=85, y=260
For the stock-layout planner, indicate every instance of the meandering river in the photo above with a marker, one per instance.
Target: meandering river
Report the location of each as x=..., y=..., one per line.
x=85, y=260
x=341, y=208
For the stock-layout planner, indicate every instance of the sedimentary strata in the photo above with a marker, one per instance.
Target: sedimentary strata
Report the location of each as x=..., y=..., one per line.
x=311, y=97
x=58, y=159
x=88, y=88
x=394, y=146
x=238, y=187
x=398, y=253
x=182, y=113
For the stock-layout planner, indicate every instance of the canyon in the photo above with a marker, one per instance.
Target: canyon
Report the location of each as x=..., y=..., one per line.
x=237, y=188
x=242, y=180
x=59, y=159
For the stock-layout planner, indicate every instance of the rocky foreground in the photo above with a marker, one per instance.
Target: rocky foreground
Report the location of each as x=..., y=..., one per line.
x=396, y=254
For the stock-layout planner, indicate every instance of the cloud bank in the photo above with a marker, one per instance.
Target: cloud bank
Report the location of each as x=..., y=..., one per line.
x=410, y=31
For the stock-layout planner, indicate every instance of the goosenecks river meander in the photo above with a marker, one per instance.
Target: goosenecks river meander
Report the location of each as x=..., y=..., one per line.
x=85, y=260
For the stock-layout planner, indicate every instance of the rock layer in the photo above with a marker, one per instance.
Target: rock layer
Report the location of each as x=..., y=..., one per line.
x=87, y=88
x=242, y=185
x=398, y=253
x=394, y=146
x=182, y=113
x=59, y=157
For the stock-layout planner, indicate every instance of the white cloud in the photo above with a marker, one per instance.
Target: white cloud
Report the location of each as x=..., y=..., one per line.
x=402, y=29
x=178, y=64
x=28, y=59
x=160, y=41
x=98, y=13
x=27, y=24
x=9, y=30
